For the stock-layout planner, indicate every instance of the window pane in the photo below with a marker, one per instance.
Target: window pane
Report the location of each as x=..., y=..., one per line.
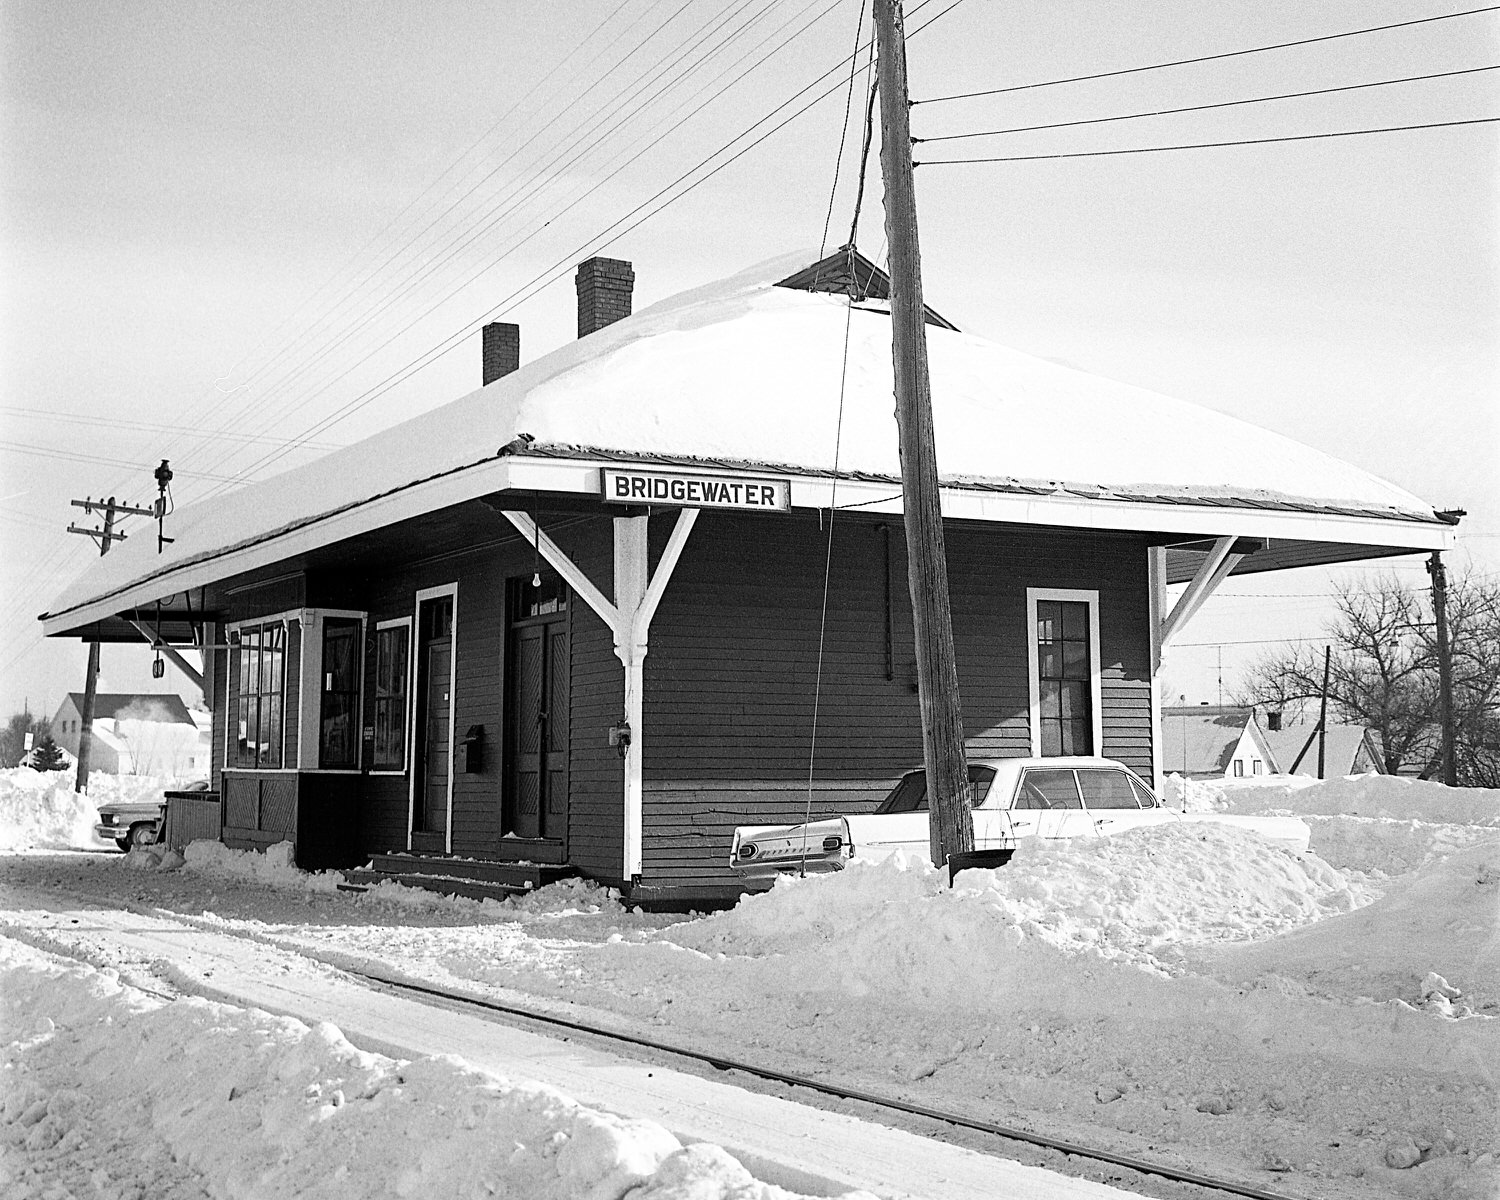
x=270, y=659
x=1143, y=797
x=270, y=731
x=1075, y=660
x=1106, y=789
x=1048, y=623
x=337, y=749
x=1050, y=789
x=1076, y=738
x=1075, y=620
x=1050, y=698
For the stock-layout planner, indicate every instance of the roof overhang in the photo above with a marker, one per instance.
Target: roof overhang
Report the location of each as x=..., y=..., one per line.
x=1294, y=537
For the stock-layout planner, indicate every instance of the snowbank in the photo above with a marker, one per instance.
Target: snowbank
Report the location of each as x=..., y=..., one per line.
x=1393, y=797
x=40, y=809
x=274, y=867
x=290, y=1110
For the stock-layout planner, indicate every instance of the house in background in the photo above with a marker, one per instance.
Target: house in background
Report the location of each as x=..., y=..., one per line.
x=1347, y=750
x=578, y=621
x=1208, y=741
x=141, y=733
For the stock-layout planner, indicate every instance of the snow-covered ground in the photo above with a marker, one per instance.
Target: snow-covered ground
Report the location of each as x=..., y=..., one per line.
x=1322, y=1026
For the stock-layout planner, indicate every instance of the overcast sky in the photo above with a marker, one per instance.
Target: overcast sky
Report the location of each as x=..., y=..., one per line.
x=225, y=225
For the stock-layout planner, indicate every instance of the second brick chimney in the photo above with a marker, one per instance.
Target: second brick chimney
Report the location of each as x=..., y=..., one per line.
x=604, y=290
x=502, y=350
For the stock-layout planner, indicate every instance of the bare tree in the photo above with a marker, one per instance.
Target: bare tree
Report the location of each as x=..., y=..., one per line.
x=1383, y=673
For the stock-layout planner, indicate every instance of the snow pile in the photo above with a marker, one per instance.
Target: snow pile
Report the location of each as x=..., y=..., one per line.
x=1127, y=898
x=290, y=1110
x=1378, y=825
x=274, y=868
x=1392, y=797
x=40, y=809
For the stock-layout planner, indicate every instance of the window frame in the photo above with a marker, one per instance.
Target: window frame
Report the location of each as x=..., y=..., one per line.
x=234, y=669
x=1090, y=597
x=406, y=700
x=355, y=622
x=422, y=596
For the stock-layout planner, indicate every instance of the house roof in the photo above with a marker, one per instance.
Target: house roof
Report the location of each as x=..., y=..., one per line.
x=165, y=707
x=747, y=374
x=1201, y=740
x=1339, y=752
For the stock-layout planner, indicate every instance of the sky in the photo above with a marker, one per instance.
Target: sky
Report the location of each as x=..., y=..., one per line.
x=237, y=236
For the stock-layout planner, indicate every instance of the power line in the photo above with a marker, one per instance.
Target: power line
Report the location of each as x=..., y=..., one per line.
x=1166, y=112
x=228, y=435
x=74, y=456
x=1203, y=58
x=603, y=136
x=1261, y=141
x=599, y=241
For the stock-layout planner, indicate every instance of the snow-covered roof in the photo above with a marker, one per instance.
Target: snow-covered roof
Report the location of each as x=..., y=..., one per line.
x=748, y=374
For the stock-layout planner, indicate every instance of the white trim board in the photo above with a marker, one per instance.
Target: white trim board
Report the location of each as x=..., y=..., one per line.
x=1096, y=681
x=433, y=593
x=581, y=476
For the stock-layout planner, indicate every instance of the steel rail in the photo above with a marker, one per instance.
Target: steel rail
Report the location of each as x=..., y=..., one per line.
x=891, y=1103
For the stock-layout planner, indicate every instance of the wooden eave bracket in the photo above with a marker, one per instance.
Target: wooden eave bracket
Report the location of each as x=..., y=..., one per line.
x=1214, y=569
x=630, y=620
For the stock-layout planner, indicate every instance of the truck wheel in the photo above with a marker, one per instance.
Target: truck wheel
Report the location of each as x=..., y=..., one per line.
x=142, y=834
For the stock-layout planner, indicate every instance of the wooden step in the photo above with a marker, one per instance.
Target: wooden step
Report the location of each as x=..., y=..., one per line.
x=518, y=876
x=361, y=880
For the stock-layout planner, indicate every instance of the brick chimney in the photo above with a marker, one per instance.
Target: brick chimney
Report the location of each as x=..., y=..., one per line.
x=604, y=288
x=502, y=350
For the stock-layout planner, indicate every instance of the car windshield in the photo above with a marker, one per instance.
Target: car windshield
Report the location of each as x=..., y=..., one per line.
x=910, y=795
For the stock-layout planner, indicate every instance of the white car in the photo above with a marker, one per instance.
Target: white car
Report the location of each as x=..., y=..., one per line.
x=1013, y=798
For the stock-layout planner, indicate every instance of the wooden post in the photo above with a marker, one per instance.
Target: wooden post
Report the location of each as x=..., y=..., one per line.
x=91, y=679
x=951, y=823
x=1445, y=665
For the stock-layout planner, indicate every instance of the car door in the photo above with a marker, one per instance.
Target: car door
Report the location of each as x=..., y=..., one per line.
x=1114, y=801
x=1047, y=804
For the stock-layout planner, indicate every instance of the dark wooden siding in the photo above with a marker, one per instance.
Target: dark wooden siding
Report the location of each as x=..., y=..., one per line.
x=596, y=792
x=732, y=672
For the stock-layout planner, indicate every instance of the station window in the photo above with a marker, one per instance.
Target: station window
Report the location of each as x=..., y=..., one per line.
x=257, y=663
x=392, y=655
x=338, y=737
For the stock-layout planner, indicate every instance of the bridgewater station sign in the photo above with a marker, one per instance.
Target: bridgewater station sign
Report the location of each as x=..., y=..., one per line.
x=696, y=491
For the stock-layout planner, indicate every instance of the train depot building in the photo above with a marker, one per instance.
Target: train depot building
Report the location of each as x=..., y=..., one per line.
x=573, y=622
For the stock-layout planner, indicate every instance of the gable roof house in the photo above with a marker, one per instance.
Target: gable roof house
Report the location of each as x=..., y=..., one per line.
x=1207, y=741
x=134, y=733
x=575, y=618
x=1347, y=750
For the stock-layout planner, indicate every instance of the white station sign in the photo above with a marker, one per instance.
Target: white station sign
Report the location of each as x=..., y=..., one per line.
x=741, y=492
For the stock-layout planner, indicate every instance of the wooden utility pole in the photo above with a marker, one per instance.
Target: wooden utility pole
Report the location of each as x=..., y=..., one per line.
x=1445, y=665
x=950, y=821
x=105, y=537
x=1320, y=731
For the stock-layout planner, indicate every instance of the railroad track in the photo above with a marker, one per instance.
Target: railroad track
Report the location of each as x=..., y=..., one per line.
x=889, y=1104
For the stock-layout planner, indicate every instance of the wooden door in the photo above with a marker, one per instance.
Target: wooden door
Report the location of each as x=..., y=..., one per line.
x=538, y=718
x=432, y=763
x=437, y=749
